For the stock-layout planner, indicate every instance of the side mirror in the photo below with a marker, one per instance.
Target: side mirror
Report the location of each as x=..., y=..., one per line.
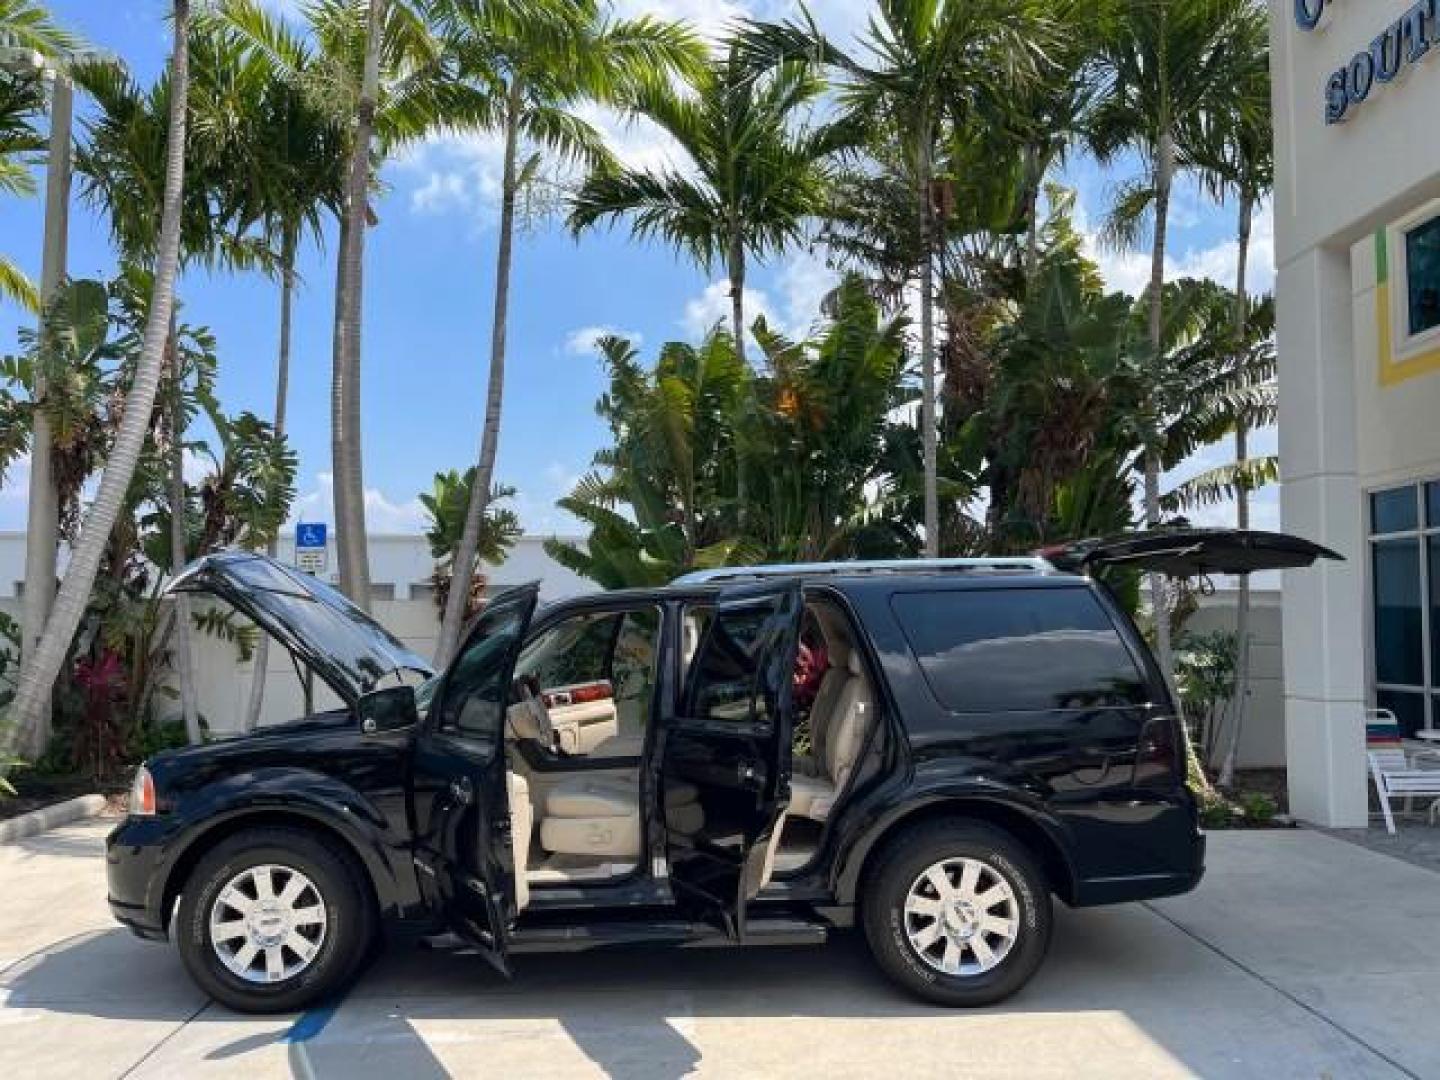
x=390, y=709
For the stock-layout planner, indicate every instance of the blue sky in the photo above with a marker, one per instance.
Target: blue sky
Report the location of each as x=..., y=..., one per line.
x=429, y=282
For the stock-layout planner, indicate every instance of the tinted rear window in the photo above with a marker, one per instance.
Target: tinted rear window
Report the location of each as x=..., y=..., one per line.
x=1006, y=650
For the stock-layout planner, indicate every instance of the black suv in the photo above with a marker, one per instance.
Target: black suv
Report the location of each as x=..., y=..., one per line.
x=747, y=756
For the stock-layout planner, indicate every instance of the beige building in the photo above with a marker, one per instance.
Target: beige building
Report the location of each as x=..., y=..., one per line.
x=1357, y=226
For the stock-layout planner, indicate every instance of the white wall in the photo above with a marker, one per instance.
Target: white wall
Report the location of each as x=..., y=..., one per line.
x=403, y=603
x=1340, y=430
x=1262, y=738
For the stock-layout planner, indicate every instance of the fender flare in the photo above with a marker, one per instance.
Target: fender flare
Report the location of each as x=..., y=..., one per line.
x=1015, y=811
x=311, y=799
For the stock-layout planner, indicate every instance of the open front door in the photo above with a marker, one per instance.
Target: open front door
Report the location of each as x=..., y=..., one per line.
x=460, y=806
x=729, y=739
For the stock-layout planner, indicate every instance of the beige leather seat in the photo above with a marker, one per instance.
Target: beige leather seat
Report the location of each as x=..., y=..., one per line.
x=818, y=781
x=522, y=823
x=600, y=815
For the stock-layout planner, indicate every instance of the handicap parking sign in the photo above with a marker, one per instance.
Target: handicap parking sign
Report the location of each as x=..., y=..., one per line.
x=310, y=550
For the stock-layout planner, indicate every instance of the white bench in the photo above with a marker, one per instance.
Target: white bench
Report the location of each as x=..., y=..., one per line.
x=1394, y=772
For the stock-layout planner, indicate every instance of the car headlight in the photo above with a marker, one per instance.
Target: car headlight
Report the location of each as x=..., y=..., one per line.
x=142, y=793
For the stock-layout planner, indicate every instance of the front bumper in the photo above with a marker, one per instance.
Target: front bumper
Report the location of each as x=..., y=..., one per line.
x=135, y=874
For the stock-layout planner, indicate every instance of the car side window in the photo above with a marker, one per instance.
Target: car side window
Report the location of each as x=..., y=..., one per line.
x=476, y=689
x=723, y=681
x=1010, y=650
x=614, y=647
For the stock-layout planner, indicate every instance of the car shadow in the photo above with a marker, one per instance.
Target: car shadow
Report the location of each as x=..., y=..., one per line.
x=1113, y=973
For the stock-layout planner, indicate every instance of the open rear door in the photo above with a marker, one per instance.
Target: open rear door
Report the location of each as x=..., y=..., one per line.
x=1191, y=552
x=728, y=739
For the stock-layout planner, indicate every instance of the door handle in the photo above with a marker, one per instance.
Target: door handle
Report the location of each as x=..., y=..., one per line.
x=462, y=791
x=747, y=773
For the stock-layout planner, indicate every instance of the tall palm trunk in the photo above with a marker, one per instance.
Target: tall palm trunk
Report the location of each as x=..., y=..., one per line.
x=42, y=523
x=1034, y=177
x=282, y=393
x=1164, y=180
x=463, y=564
x=1242, y=514
x=181, y=650
x=345, y=445
x=928, y=436
x=736, y=268
x=42, y=665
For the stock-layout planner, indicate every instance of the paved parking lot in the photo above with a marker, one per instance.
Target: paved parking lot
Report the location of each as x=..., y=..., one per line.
x=1300, y=956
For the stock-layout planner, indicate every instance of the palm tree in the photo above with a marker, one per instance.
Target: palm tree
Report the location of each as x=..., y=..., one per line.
x=40, y=668
x=928, y=66
x=535, y=62
x=1169, y=63
x=122, y=164
x=290, y=171
x=1236, y=155
x=756, y=169
x=347, y=462
x=374, y=69
x=26, y=29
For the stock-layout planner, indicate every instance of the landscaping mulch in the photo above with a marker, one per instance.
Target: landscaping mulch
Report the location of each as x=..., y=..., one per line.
x=38, y=792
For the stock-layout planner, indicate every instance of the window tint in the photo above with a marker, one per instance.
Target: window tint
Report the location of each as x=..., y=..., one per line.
x=1422, y=266
x=617, y=646
x=574, y=651
x=1393, y=511
x=1006, y=650
x=1399, y=638
x=726, y=677
x=476, y=690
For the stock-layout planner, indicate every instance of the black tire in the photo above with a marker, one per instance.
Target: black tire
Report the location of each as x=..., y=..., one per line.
x=349, y=919
x=899, y=865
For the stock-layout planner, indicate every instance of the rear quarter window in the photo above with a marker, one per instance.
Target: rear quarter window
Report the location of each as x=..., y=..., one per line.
x=1011, y=650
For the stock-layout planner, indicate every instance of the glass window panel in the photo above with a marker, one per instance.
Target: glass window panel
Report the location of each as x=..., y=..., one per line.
x=1014, y=649
x=1409, y=709
x=1398, y=646
x=1393, y=511
x=727, y=675
x=1422, y=265
x=1433, y=553
x=1432, y=504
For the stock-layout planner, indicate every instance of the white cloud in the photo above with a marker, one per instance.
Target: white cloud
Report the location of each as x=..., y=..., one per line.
x=1129, y=271
x=712, y=307
x=583, y=342
x=382, y=513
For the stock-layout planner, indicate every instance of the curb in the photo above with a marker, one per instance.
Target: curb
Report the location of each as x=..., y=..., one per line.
x=48, y=817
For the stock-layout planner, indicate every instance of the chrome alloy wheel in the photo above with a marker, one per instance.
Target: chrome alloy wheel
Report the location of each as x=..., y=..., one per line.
x=962, y=917
x=267, y=924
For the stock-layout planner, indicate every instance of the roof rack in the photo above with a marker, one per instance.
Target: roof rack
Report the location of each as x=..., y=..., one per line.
x=989, y=564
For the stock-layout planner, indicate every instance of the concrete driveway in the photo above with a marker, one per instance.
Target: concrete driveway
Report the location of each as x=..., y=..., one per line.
x=1300, y=956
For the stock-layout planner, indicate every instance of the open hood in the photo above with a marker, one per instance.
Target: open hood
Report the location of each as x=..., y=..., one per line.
x=1190, y=552
x=323, y=629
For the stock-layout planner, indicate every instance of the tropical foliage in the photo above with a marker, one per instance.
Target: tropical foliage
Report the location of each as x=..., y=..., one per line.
x=972, y=384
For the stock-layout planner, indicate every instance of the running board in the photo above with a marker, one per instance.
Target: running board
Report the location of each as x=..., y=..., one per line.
x=674, y=933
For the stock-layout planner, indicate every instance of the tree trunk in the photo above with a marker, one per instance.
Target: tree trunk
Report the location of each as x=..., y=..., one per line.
x=42, y=523
x=1034, y=175
x=1242, y=513
x=40, y=668
x=282, y=393
x=928, y=435
x=736, y=267
x=463, y=563
x=345, y=445
x=183, y=655
x=1164, y=176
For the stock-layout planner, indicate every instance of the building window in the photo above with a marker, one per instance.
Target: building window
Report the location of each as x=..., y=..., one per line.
x=1422, y=276
x=1405, y=598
